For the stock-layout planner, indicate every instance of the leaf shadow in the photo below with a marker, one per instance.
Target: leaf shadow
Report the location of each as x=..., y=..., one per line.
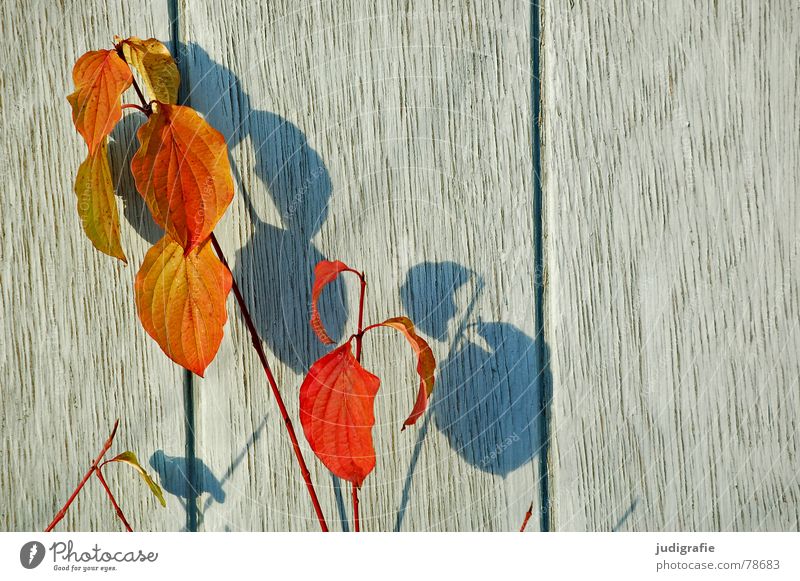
x=488, y=401
x=121, y=148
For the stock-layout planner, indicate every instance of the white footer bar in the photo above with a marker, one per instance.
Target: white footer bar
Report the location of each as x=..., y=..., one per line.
x=507, y=556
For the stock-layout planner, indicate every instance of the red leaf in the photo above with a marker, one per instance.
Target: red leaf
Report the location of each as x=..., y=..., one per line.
x=426, y=365
x=100, y=77
x=325, y=273
x=182, y=171
x=336, y=411
x=181, y=302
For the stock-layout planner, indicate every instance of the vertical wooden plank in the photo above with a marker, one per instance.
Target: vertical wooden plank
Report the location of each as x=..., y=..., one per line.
x=394, y=136
x=73, y=356
x=671, y=175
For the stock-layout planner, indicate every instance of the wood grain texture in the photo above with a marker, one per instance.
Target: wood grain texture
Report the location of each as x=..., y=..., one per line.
x=670, y=183
x=73, y=356
x=394, y=136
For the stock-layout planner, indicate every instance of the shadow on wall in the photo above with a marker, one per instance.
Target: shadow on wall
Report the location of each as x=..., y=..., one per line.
x=189, y=483
x=275, y=266
x=488, y=397
x=173, y=474
x=121, y=148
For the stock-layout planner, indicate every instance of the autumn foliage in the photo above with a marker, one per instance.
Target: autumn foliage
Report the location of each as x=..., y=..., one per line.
x=338, y=394
x=181, y=169
x=96, y=469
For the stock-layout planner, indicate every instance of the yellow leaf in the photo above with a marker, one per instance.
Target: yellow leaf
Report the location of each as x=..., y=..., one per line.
x=180, y=299
x=155, y=64
x=96, y=205
x=130, y=459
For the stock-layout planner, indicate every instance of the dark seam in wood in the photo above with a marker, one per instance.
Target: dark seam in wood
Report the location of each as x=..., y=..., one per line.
x=542, y=355
x=189, y=406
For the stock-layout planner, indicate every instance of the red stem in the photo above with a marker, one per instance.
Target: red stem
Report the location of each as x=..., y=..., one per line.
x=274, y=386
x=145, y=108
x=359, y=338
x=60, y=514
x=527, y=518
x=135, y=106
x=360, y=332
x=121, y=54
x=356, y=521
x=113, y=500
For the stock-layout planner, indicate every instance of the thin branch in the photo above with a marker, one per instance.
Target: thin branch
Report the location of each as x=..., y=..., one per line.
x=146, y=109
x=113, y=500
x=527, y=518
x=356, y=520
x=121, y=54
x=135, y=106
x=256, y=340
x=60, y=514
x=359, y=339
x=362, y=296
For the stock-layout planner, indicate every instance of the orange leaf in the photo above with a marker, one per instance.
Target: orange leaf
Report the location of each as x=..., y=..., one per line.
x=96, y=205
x=182, y=170
x=100, y=77
x=336, y=411
x=325, y=273
x=426, y=365
x=156, y=66
x=181, y=302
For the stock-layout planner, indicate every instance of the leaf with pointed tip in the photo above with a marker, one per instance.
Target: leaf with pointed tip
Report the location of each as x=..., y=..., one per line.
x=180, y=299
x=426, y=365
x=96, y=205
x=129, y=458
x=182, y=171
x=336, y=412
x=325, y=273
x=100, y=77
x=155, y=64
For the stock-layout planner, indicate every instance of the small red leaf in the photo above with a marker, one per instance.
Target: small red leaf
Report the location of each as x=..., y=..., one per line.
x=100, y=77
x=181, y=302
x=325, y=273
x=336, y=411
x=426, y=365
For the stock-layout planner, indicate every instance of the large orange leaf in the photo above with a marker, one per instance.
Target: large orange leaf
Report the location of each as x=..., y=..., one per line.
x=156, y=66
x=96, y=206
x=181, y=301
x=426, y=365
x=336, y=411
x=325, y=273
x=100, y=77
x=182, y=170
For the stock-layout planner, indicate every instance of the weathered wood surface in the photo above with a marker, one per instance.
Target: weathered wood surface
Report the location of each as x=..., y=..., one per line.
x=394, y=137
x=670, y=189
x=73, y=356
x=397, y=137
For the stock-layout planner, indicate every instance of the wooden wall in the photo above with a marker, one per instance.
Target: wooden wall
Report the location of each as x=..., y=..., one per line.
x=619, y=175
